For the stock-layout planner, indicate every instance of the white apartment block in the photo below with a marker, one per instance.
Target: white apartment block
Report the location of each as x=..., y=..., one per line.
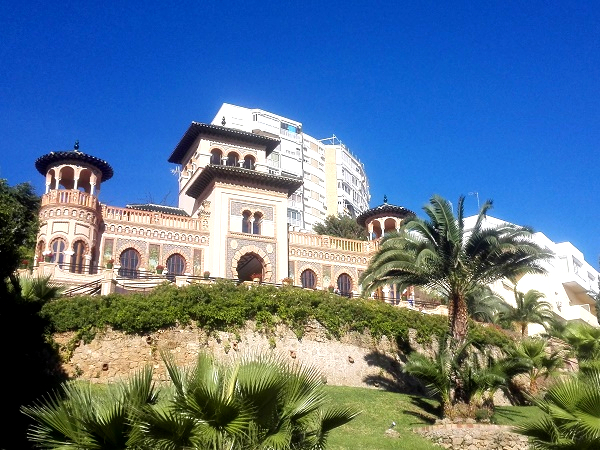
x=569, y=286
x=335, y=181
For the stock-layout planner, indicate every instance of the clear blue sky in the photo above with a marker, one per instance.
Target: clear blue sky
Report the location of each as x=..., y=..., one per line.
x=500, y=98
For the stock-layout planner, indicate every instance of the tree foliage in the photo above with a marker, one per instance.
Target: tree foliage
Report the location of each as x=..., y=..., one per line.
x=18, y=225
x=439, y=254
x=341, y=226
x=529, y=309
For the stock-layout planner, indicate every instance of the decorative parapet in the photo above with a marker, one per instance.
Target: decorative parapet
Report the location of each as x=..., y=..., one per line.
x=134, y=216
x=70, y=197
x=332, y=243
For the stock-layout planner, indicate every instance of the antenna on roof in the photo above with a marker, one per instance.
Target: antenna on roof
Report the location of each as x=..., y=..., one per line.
x=476, y=194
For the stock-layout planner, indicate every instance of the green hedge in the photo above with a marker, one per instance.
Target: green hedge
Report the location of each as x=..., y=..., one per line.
x=226, y=306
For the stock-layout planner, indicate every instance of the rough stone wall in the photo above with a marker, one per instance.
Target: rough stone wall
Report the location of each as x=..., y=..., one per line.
x=474, y=437
x=354, y=360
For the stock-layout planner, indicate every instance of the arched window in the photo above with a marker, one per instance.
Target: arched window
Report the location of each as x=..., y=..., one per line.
x=257, y=224
x=308, y=279
x=232, y=159
x=246, y=222
x=175, y=265
x=249, y=162
x=77, y=257
x=215, y=156
x=58, y=248
x=130, y=262
x=344, y=284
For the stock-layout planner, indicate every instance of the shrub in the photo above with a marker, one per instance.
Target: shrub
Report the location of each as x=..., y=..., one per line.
x=227, y=306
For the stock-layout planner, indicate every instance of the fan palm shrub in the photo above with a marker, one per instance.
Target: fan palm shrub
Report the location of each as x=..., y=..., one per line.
x=257, y=402
x=439, y=254
x=84, y=416
x=463, y=375
x=571, y=415
x=543, y=362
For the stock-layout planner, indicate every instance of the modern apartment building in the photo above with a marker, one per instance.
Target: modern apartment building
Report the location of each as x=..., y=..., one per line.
x=334, y=179
x=569, y=286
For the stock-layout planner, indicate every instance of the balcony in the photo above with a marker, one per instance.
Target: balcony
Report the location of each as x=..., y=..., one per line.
x=581, y=313
x=70, y=197
x=331, y=243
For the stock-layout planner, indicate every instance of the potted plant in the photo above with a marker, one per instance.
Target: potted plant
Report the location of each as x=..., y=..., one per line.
x=109, y=263
x=48, y=256
x=287, y=281
x=256, y=277
x=25, y=264
x=206, y=274
x=159, y=269
x=331, y=288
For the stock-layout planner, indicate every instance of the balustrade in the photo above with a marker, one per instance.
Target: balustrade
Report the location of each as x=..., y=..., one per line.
x=330, y=242
x=134, y=216
x=69, y=197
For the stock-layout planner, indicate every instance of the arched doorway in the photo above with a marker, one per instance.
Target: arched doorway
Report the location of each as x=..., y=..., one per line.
x=248, y=265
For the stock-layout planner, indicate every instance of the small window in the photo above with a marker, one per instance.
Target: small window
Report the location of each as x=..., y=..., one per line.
x=215, y=156
x=257, y=223
x=308, y=279
x=249, y=163
x=344, y=284
x=232, y=159
x=246, y=221
x=58, y=248
x=77, y=257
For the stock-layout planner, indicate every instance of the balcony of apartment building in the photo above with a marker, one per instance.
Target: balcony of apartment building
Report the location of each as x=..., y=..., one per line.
x=581, y=313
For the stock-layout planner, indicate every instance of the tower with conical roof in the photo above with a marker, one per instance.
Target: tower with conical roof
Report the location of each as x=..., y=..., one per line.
x=70, y=214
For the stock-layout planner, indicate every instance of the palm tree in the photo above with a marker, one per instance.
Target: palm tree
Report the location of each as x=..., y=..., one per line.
x=257, y=402
x=39, y=288
x=84, y=416
x=484, y=305
x=541, y=363
x=463, y=375
x=584, y=339
x=571, y=419
x=441, y=255
x=529, y=309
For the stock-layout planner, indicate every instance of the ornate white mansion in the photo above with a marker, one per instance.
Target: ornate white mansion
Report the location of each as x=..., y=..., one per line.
x=233, y=221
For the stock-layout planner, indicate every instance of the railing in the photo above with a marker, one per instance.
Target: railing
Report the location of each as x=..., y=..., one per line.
x=69, y=197
x=333, y=243
x=111, y=213
x=91, y=288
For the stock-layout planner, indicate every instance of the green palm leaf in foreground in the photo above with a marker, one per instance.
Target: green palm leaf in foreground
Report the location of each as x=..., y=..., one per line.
x=257, y=402
x=572, y=415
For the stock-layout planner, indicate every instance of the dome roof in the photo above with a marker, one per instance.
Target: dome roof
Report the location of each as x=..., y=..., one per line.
x=384, y=210
x=45, y=161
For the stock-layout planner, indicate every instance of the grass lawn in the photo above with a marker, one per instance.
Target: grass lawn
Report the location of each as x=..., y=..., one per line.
x=380, y=408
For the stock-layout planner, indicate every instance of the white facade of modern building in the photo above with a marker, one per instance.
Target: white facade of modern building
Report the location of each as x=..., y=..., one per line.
x=335, y=180
x=569, y=285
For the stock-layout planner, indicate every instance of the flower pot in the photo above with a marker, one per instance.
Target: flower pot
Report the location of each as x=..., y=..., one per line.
x=159, y=271
x=109, y=265
x=47, y=259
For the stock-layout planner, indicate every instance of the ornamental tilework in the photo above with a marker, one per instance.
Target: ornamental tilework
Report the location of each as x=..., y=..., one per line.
x=238, y=207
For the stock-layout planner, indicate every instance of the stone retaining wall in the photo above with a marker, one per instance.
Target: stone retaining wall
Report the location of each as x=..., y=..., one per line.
x=474, y=437
x=354, y=360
